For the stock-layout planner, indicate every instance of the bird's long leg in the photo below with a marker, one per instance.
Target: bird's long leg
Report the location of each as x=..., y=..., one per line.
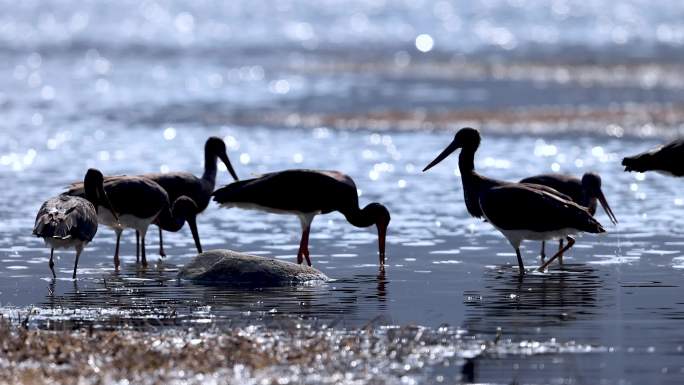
x=300, y=252
x=560, y=247
x=306, y=245
x=571, y=241
x=52, y=263
x=521, y=266
x=137, y=246
x=192, y=222
x=162, y=253
x=543, y=251
x=116, y=250
x=142, y=248
x=78, y=254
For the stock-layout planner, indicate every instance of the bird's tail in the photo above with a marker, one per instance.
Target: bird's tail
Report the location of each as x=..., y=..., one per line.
x=53, y=226
x=638, y=163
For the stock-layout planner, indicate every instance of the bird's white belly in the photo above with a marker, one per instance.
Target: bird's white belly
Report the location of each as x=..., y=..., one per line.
x=64, y=243
x=515, y=237
x=537, y=236
x=126, y=221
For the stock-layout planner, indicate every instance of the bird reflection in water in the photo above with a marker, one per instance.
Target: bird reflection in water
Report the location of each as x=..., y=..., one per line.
x=539, y=300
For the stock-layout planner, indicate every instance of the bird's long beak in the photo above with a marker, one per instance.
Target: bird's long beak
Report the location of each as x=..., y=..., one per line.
x=453, y=146
x=606, y=207
x=382, y=233
x=104, y=199
x=226, y=161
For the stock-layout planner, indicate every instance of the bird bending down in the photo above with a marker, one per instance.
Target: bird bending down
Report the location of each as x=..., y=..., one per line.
x=667, y=159
x=586, y=192
x=138, y=201
x=68, y=221
x=306, y=193
x=518, y=211
x=177, y=184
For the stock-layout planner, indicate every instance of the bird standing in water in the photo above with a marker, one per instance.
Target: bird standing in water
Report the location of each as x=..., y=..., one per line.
x=306, y=193
x=69, y=221
x=139, y=202
x=518, y=211
x=177, y=184
x=585, y=192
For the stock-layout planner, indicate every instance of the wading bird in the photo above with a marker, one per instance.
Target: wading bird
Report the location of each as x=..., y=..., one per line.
x=177, y=184
x=138, y=201
x=585, y=192
x=518, y=211
x=68, y=221
x=306, y=193
x=667, y=159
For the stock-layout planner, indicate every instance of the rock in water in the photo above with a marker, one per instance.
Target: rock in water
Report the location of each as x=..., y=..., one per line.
x=233, y=268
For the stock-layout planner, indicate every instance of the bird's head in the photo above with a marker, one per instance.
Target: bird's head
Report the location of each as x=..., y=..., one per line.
x=591, y=182
x=217, y=147
x=466, y=138
x=381, y=217
x=93, y=184
x=184, y=208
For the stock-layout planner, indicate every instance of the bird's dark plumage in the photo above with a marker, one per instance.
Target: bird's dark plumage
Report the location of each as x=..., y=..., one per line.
x=668, y=159
x=294, y=190
x=132, y=195
x=567, y=185
x=519, y=210
x=522, y=207
x=306, y=193
x=185, y=184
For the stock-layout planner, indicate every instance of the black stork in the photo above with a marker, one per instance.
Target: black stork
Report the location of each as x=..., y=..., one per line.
x=518, y=211
x=585, y=192
x=177, y=184
x=667, y=159
x=68, y=221
x=139, y=202
x=306, y=193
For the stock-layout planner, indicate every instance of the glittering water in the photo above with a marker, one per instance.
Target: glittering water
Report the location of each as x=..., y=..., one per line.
x=373, y=89
x=444, y=267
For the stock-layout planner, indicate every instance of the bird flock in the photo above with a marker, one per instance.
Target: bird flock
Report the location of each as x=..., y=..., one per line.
x=541, y=208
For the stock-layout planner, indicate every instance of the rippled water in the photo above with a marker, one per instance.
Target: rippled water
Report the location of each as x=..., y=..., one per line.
x=618, y=292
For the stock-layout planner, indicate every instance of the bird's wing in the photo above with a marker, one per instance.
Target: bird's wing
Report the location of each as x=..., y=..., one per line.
x=522, y=207
x=77, y=188
x=66, y=217
x=291, y=190
x=547, y=189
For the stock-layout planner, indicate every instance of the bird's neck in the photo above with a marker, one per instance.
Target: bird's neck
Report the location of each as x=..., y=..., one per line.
x=210, y=168
x=168, y=222
x=358, y=217
x=466, y=161
x=473, y=183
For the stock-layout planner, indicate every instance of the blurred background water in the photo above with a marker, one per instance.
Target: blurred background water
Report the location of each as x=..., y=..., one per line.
x=374, y=89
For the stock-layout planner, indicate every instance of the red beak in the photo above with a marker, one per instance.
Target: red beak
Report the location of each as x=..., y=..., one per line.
x=382, y=233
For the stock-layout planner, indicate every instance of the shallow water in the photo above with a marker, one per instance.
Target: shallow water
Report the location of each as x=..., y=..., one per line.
x=617, y=292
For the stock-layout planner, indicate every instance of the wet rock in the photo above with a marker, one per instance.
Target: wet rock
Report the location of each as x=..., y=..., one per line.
x=234, y=268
